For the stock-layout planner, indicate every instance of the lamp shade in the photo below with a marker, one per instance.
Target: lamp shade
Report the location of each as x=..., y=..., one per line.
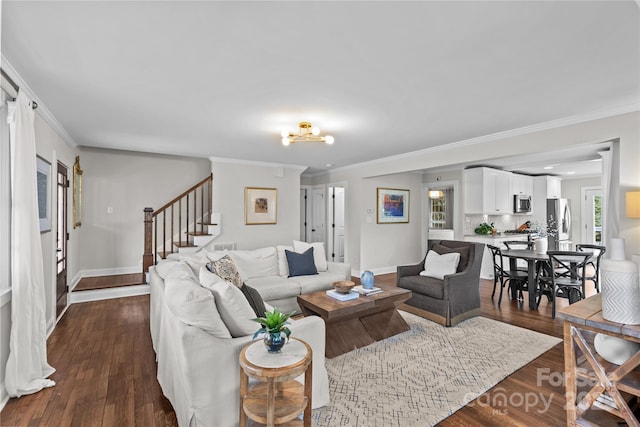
x=633, y=204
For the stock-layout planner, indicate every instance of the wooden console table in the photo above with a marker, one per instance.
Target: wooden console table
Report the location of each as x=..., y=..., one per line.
x=276, y=397
x=608, y=378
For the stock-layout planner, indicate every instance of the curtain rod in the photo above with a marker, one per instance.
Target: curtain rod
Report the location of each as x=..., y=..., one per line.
x=13, y=84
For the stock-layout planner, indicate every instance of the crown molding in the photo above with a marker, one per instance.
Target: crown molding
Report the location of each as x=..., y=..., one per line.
x=553, y=124
x=42, y=109
x=301, y=168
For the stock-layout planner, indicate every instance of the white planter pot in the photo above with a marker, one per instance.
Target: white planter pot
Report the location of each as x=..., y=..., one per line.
x=620, y=287
x=540, y=245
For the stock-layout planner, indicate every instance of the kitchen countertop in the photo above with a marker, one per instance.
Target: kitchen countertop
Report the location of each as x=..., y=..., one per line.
x=496, y=236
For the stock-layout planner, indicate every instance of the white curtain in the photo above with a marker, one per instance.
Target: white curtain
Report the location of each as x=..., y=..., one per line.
x=27, y=367
x=611, y=192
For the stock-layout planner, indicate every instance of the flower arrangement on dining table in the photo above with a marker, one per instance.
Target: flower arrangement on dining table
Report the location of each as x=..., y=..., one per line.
x=544, y=229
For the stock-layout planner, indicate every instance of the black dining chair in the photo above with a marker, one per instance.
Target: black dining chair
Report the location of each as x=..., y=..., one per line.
x=515, y=279
x=566, y=278
x=594, y=262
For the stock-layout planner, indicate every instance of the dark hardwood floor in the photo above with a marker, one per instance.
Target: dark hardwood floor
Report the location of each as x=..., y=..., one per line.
x=104, y=282
x=106, y=372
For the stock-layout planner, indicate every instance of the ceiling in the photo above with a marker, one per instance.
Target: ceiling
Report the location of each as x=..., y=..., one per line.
x=213, y=78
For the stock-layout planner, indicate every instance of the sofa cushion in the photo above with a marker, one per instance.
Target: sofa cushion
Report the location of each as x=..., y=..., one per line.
x=463, y=251
x=274, y=287
x=319, y=255
x=207, y=278
x=226, y=269
x=257, y=263
x=254, y=299
x=283, y=266
x=301, y=264
x=194, y=260
x=216, y=255
x=438, y=266
x=234, y=309
x=194, y=305
x=319, y=282
x=428, y=286
x=169, y=268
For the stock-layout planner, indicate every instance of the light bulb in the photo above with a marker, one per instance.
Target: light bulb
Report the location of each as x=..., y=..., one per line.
x=285, y=141
x=315, y=131
x=328, y=139
x=284, y=133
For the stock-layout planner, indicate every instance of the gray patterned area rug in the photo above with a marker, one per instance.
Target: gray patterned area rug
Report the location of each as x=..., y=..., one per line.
x=421, y=376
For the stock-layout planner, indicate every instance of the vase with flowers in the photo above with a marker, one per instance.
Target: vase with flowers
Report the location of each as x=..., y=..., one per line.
x=274, y=328
x=541, y=233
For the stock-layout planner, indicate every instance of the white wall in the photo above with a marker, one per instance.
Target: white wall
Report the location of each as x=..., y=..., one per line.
x=127, y=181
x=229, y=181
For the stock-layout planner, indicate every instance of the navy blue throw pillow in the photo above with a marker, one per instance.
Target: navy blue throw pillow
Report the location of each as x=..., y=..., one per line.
x=301, y=264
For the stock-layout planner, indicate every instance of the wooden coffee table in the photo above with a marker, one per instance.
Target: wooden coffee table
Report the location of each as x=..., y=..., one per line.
x=357, y=323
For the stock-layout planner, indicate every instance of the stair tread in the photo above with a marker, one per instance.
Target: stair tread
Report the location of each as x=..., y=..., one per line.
x=184, y=245
x=198, y=233
x=207, y=223
x=163, y=255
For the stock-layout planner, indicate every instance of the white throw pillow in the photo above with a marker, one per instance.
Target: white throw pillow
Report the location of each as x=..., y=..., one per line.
x=207, y=278
x=319, y=256
x=194, y=305
x=234, y=309
x=195, y=260
x=169, y=268
x=438, y=266
x=261, y=262
x=283, y=264
x=216, y=255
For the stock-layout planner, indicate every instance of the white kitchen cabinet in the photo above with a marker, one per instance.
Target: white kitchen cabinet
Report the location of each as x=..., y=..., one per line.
x=554, y=187
x=521, y=184
x=544, y=187
x=487, y=191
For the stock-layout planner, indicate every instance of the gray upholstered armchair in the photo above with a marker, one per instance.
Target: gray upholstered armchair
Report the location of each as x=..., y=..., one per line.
x=453, y=299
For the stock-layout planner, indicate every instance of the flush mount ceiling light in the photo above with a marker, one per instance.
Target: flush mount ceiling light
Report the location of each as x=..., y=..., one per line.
x=306, y=133
x=435, y=194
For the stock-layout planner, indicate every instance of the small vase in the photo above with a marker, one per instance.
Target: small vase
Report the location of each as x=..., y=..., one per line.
x=274, y=342
x=367, y=280
x=620, y=287
x=541, y=245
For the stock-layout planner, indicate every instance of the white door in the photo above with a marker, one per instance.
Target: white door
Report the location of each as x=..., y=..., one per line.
x=592, y=216
x=337, y=213
x=303, y=215
x=317, y=215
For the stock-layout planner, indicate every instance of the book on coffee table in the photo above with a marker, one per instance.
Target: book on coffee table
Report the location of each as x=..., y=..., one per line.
x=362, y=291
x=342, y=297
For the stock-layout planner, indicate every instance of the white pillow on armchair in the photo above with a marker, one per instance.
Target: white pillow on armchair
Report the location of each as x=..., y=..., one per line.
x=438, y=266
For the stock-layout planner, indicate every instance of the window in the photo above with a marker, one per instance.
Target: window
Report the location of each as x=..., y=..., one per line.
x=441, y=210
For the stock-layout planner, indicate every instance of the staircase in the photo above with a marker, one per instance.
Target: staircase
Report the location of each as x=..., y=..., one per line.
x=185, y=224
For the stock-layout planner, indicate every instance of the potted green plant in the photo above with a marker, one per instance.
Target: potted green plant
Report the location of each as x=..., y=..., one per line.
x=275, y=329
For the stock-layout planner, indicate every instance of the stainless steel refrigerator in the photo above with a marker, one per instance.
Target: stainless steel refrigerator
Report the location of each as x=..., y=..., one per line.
x=559, y=215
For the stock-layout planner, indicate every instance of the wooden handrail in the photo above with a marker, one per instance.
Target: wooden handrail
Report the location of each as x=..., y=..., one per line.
x=166, y=206
x=155, y=231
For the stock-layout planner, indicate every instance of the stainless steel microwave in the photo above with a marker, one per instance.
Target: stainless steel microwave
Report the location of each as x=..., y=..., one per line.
x=521, y=203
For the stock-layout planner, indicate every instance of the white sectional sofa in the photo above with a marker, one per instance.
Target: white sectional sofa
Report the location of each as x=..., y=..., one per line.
x=197, y=356
x=266, y=270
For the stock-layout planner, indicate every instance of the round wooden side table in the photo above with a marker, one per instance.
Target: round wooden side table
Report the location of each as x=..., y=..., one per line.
x=275, y=398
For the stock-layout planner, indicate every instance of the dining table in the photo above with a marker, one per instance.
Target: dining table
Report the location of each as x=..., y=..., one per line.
x=533, y=258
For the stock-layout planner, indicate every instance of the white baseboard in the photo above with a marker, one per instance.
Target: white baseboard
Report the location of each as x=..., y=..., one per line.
x=375, y=271
x=74, y=281
x=109, y=293
x=110, y=271
x=4, y=397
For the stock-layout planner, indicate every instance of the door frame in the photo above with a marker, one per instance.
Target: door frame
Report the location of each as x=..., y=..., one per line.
x=457, y=203
x=57, y=315
x=583, y=211
x=330, y=219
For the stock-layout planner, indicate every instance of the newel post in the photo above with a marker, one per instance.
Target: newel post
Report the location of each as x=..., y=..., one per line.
x=147, y=257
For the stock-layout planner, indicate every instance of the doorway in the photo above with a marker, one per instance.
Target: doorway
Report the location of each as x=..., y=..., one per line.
x=592, y=225
x=336, y=236
x=61, y=239
x=441, y=206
